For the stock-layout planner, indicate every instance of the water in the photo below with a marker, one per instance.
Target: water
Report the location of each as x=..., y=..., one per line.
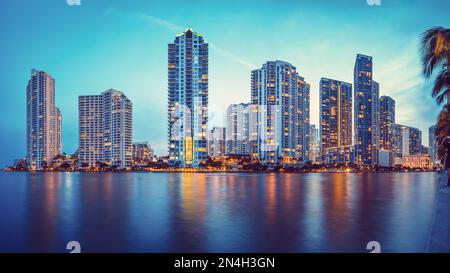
x=173, y=212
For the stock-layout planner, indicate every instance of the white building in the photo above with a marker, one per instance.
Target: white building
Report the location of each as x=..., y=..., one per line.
x=282, y=97
x=241, y=129
x=44, y=130
x=216, y=142
x=188, y=99
x=105, y=129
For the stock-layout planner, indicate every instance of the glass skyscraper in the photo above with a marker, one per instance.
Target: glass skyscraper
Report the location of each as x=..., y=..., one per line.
x=44, y=130
x=335, y=114
x=366, y=113
x=282, y=97
x=433, y=146
x=188, y=100
x=387, y=121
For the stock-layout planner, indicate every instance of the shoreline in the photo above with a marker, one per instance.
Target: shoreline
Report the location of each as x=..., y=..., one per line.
x=214, y=171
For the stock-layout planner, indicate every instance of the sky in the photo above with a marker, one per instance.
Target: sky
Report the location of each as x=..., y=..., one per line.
x=102, y=44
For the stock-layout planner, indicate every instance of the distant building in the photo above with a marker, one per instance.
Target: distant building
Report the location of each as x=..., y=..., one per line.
x=44, y=130
x=387, y=121
x=241, y=129
x=340, y=155
x=433, y=149
x=188, y=99
x=366, y=112
x=335, y=114
x=105, y=128
x=407, y=140
x=314, y=145
x=216, y=142
x=282, y=97
x=142, y=152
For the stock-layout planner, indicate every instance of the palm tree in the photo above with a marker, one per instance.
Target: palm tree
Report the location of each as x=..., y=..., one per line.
x=443, y=136
x=435, y=50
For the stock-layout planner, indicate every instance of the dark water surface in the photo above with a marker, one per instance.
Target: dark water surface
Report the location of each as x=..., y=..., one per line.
x=174, y=212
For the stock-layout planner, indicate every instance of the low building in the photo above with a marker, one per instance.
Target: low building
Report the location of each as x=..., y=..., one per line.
x=421, y=161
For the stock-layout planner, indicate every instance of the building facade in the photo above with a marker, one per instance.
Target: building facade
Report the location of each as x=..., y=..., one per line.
x=142, y=153
x=188, y=99
x=340, y=155
x=241, y=129
x=366, y=112
x=335, y=114
x=314, y=145
x=44, y=121
x=387, y=121
x=433, y=147
x=216, y=142
x=105, y=130
x=282, y=98
x=407, y=141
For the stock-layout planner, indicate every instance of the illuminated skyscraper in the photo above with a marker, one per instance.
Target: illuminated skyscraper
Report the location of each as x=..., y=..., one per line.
x=105, y=128
x=188, y=99
x=282, y=97
x=335, y=114
x=387, y=121
x=366, y=113
x=44, y=130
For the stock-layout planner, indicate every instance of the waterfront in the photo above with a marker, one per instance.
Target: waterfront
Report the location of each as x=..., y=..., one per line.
x=195, y=212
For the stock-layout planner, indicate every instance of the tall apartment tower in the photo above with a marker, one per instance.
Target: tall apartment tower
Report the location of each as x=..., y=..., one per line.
x=282, y=98
x=44, y=121
x=366, y=113
x=335, y=114
x=387, y=121
x=241, y=129
x=188, y=99
x=105, y=130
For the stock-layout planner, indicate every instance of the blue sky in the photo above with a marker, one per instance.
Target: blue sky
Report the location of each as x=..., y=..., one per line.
x=105, y=44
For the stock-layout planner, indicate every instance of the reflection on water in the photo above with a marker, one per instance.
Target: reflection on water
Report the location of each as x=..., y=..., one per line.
x=174, y=212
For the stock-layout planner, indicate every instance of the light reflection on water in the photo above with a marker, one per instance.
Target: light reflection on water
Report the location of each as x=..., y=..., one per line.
x=174, y=212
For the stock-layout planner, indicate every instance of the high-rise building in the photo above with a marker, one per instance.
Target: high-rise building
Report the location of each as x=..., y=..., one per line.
x=335, y=114
x=105, y=128
x=314, y=144
x=188, y=99
x=432, y=143
x=407, y=141
x=44, y=129
x=282, y=97
x=142, y=152
x=241, y=129
x=366, y=112
x=216, y=142
x=387, y=121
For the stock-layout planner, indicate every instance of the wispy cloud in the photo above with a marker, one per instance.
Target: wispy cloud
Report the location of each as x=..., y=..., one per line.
x=175, y=28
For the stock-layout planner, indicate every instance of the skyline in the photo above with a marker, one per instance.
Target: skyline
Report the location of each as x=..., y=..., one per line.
x=413, y=105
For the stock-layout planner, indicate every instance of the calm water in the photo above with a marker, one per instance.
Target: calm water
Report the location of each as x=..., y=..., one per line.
x=171, y=212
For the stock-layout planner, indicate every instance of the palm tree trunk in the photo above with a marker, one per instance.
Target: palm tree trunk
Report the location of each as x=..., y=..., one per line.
x=448, y=151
